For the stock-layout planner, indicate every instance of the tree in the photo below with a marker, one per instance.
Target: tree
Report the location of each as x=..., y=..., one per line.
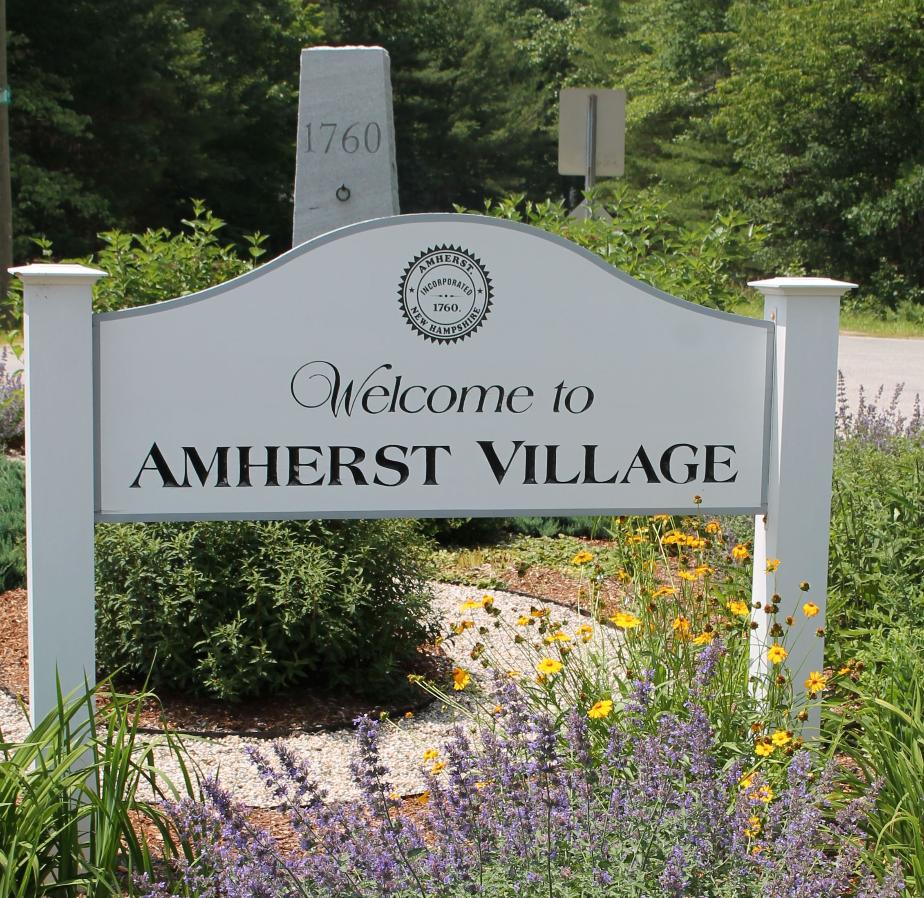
x=147, y=103
x=475, y=92
x=824, y=106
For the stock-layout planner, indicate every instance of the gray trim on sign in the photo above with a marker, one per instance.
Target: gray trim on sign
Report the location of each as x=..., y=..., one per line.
x=690, y=511
x=396, y=221
x=425, y=218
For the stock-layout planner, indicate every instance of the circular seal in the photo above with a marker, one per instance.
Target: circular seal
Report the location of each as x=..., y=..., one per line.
x=445, y=294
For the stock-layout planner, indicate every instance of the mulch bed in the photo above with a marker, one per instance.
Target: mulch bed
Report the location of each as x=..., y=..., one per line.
x=299, y=710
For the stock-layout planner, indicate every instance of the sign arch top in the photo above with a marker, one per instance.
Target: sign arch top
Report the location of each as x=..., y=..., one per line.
x=429, y=365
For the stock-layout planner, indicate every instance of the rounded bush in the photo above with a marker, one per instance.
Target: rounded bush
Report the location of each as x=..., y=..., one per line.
x=235, y=609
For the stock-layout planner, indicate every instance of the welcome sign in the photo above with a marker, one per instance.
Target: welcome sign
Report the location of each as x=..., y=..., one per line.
x=429, y=365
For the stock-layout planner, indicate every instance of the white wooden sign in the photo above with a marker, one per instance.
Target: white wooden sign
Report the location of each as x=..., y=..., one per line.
x=433, y=365
x=422, y=365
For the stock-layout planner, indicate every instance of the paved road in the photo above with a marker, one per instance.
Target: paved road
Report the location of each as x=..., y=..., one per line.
x=875, y=362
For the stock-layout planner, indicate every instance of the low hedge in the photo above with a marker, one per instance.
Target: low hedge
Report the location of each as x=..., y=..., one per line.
x=236, y=609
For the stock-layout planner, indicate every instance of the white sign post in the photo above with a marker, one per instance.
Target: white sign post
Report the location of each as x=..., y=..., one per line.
x=59, y=479
x=415, y=366
x=795, y=529
x=345, y=169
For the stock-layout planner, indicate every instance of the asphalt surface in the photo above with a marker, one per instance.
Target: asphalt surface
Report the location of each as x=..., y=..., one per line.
x=874, y=362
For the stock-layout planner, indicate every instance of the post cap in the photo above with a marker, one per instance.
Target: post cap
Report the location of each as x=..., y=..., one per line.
x=803, y=285
x=48, y=273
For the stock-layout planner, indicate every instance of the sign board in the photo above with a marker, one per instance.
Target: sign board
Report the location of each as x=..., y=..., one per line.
x=606, y=132
x=429, y=365
x=345, y=168
x=426, y=365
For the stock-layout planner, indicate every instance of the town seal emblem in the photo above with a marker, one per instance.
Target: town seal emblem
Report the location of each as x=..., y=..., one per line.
x=445, y=294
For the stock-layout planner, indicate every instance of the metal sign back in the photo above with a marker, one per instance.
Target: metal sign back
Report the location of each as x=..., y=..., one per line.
x=574, y=135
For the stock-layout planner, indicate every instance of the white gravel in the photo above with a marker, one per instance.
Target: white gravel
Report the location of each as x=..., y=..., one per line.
x=404, y=741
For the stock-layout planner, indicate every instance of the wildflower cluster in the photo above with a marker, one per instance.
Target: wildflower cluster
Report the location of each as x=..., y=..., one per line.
x=529, y=807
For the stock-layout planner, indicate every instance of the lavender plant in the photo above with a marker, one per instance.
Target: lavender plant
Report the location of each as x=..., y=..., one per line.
x=529, y=807
x=874, y=423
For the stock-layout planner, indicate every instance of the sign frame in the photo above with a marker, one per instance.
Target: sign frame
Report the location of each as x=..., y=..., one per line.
x=801, y=316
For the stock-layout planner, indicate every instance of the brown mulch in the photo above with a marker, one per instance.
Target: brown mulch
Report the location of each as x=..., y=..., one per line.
x=299, y=710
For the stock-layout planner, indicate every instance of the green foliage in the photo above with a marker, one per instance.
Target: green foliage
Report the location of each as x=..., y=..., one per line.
x=70, y=809
x=159, y=265
x=12, y=524
x=475, y=94
x=593, y=527
x=883, y=735
x=877, y=544
x=822, y=105
x=237, y=609
x=698, y=262
x=125, y=108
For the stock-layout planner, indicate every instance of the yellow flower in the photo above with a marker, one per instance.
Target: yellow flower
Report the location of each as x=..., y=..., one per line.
x=585, y=631
x=776, y=653
x=522, y=621
x=780, y=738
x=672, y=537
x=460, y=678
x=424, y=797
x=469, y=605
x=582, y=557
x=549, y=666
x=746, y=781
x=753, y=827
x=430, y=754
x=625, y=621
x=696, y=542
x=513, y=674
x=772, y=564
x=481, y=784
x=664, y=591
x=635, y=540
x=764, y=748
x=739, y=608
x=713, y=527
x=463, y=625
x=686, y=575
x=816, y=681
x=437, y=767
x=603, y=708
x=408, y=715
x=810, y=609
x=764, y=794
x=740, y=553
x=661, y=517
x=487, y=601
x=539, y=612
x=497, y=709
x=704, y=638
x=557, y=636
x=704, y=570
x=681, y=626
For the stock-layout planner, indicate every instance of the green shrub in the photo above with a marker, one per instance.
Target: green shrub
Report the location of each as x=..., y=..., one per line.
x=876, y=578
x=12, y=524
x=239, y=608
x=702, y=262
x=464, y=531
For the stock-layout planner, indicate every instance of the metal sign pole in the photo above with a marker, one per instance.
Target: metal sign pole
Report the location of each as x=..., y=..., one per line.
x=591, y=177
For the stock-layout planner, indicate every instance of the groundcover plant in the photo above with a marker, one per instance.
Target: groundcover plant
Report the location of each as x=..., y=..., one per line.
x=527, y=806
